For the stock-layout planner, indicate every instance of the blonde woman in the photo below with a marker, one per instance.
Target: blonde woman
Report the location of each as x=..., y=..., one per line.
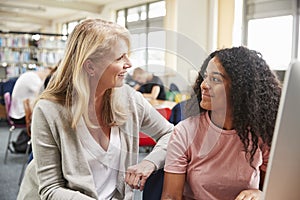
x=85, y=124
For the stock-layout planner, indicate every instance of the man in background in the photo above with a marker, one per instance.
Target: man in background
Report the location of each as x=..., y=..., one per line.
x=150, y=85
x=27, y=87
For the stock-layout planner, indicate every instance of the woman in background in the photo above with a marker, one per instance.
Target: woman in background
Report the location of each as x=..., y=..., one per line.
x=85, y=124
x=222, y=153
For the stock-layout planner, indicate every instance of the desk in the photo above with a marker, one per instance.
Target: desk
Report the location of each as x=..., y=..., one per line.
x=162, y=103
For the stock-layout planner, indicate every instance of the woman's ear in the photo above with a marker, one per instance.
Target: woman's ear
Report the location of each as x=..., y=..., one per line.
x=89, y=67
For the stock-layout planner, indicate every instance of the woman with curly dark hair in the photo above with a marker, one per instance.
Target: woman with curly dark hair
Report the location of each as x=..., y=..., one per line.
x=222, y=153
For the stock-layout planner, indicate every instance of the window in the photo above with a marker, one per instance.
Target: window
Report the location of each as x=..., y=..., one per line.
x=157, y=9
x=270, y=28
x=136, y=13
x=121, y=17
x=148, y=43
x=273, y=38
x=68, y=27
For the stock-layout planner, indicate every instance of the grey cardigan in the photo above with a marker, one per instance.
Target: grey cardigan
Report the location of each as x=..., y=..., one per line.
x=59, y=169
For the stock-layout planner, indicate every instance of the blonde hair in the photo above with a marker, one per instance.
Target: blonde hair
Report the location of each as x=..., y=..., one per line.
x=91, y=39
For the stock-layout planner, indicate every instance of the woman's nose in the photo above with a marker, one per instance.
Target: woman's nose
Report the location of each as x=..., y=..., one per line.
x=127, y=63
x=205, y=84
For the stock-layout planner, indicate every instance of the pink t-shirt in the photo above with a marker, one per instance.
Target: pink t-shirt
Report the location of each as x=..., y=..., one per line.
x=213, y=160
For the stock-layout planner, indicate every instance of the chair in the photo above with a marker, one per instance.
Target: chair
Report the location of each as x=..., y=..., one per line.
x=165, y=112
x=147, y=142
x=12, y=125
x=28, y=113
x=174, y=88
x=178, y=112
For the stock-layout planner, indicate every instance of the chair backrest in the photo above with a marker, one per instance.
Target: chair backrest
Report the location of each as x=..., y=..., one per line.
x=7, y=101
x=28, y=113
x=174, y=88
x=165, y=112
x=145, y=140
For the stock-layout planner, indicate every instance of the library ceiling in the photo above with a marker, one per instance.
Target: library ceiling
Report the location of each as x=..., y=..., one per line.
x=39, y=15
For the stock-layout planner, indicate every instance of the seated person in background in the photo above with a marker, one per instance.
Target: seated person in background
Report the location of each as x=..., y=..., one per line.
x=7, y=86
x=150, y=85
x=27, y=87
x=222, y=152
x=130, y=81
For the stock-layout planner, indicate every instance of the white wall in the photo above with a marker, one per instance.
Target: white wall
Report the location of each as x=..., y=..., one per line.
x=195, y=29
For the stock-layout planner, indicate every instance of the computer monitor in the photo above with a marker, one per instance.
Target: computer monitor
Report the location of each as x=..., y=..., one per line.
x=282, y=181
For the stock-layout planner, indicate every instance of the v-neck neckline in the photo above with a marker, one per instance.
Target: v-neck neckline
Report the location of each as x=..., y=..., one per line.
x=90, y=143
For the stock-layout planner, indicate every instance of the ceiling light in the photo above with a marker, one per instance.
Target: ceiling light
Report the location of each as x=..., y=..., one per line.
x=36, y=37
x=19, y=7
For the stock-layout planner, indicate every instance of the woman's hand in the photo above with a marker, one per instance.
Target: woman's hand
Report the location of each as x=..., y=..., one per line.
x=253, y=194
x=137, y=175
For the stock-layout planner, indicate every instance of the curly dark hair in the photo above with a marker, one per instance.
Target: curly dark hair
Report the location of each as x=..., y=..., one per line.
x=255, y=95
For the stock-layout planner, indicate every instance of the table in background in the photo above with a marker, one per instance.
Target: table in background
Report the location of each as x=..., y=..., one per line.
x=162, y=103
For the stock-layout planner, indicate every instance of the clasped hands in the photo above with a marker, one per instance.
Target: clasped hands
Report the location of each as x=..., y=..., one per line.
x=137, y=175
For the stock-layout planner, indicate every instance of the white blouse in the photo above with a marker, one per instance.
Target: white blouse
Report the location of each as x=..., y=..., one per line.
x=104, y=165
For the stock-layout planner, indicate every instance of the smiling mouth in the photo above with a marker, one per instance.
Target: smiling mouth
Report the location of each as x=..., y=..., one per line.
x=121, y=75
x=206, y=95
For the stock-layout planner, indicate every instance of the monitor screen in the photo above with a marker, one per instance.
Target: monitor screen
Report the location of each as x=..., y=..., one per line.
x=282, y=179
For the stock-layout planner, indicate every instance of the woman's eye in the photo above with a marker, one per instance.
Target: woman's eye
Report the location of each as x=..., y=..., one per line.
x=120, y=58
x=214, y=79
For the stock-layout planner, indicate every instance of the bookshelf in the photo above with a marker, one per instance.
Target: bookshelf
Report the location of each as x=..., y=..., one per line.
x=21, y=51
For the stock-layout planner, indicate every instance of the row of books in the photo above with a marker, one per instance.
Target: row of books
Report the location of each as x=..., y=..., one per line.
x=25, y=56
x=17, y=41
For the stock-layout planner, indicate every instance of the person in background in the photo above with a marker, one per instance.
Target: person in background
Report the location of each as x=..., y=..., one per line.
x=53, y=69
x=27, y=86
x=130, y=81
x=86, y=123
x=222, y=152
x=149, y=85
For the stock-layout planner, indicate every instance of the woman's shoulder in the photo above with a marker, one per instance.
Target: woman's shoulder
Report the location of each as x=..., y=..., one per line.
x=195, y=119
x=133, y=100
x=126, y=88
x=52, y=112
x=49, y=108
x=189, y=124
x=45, y=103
x=128, y=92
x=192, y=123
